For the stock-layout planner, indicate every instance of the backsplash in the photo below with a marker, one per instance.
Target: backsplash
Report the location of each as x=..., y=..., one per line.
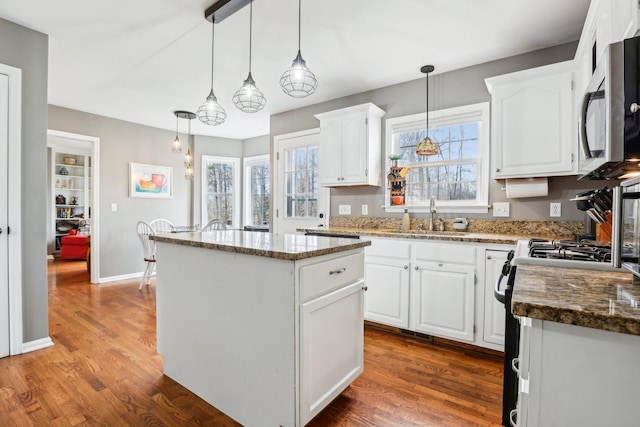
x=562, y=229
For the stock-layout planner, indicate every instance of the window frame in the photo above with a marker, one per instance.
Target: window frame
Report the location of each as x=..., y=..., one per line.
x=248, y=163
x=449, y=116
x=237, y=197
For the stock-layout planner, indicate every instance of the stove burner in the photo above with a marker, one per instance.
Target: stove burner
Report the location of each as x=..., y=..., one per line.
x=568, y=249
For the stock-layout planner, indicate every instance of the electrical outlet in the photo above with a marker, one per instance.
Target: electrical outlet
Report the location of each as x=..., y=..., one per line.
x=555, y=209
x=344, y=209
x=365, y=209
x=501, y=209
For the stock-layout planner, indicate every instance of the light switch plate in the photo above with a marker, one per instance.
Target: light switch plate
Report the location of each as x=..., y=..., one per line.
x=114, y=207
x=344, y=209
x=555, y=210
x=501, y=209
x=365, y=209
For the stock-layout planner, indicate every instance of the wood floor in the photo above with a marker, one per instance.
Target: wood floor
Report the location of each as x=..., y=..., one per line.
x=104, y=371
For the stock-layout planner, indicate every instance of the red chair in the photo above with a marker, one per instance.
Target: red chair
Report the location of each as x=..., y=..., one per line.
x=74, y=246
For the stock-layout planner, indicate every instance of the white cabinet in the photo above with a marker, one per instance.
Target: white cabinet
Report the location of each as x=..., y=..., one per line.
x=331, y=347
x=494, y=310
x=532, y=122
x=576, y=376
x=350, y=146
x=386, y=272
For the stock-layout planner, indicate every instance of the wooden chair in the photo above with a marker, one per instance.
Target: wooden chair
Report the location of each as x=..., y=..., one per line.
x=214, y=224
x=149, y=251
x=161, y=225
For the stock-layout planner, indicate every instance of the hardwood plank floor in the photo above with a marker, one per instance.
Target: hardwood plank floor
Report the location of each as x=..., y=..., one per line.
x=104, y=371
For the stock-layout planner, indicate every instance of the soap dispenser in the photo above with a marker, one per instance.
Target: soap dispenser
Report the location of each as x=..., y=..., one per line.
x=406, y=222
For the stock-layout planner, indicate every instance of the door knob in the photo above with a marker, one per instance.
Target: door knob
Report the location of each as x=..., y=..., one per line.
x=364, y=288
x=0, y=230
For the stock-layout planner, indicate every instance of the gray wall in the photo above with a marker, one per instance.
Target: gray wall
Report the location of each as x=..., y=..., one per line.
x=451, y=89
x=28, y=50
x=120, y=143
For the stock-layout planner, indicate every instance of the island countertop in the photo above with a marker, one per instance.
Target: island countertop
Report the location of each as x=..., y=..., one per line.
x=290, y=247
x=594, y=299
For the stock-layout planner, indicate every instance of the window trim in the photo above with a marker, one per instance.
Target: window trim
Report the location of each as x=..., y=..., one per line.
x=237, y=187
x=438, y=118
x=249, y=162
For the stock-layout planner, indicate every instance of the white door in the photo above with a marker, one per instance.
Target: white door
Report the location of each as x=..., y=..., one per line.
x=4, y=216
x=299, y=201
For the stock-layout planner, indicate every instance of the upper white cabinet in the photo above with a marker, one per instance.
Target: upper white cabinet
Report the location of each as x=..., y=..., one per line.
x=350, y=146
x=534, y=132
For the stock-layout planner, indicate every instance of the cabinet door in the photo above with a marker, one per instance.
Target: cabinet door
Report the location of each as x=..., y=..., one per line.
x=329, y=152
x=494, y=311
x=331, y=347
x=387, y=297
x=354, y=150
x=533, y=126
x=442, y=300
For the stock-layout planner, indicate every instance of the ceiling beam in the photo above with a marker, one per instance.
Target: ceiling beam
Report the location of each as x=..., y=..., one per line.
x=222, y=9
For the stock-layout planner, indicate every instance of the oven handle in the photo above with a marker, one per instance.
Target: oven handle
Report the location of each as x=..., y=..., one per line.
x=497, y=293
x=513, y=415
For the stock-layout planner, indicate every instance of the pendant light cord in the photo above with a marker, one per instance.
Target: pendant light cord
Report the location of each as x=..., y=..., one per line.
x=299, y=21
x=427, y=104
x=250, y=31
x=212, y=45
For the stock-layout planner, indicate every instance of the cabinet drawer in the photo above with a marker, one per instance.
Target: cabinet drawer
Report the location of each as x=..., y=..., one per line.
x=388, y=249
x=442, y=252
x=323, y=277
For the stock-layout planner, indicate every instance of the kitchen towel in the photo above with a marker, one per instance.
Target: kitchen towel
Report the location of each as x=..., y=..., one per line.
x=527, y=187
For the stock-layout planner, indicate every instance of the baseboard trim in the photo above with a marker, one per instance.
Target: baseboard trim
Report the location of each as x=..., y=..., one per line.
x=120, y=277
x=30, y=346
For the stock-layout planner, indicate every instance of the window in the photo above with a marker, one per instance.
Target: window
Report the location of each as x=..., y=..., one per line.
x=457, y=177
x=257, y=189
x=220, y=190
x=301, y=182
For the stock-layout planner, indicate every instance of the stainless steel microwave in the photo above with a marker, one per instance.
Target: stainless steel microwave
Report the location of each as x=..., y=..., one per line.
x=610, y=115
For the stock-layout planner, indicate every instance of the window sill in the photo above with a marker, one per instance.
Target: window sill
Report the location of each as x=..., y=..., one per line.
x=439, y=209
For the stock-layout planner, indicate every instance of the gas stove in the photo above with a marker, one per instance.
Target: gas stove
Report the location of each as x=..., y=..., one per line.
x=588, y=255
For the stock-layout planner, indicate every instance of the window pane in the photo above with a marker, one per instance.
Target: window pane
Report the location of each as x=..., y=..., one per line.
x=301, y=183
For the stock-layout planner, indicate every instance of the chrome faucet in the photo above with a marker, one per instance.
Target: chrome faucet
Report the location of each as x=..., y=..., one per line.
x=441, y=224
x=432, y=210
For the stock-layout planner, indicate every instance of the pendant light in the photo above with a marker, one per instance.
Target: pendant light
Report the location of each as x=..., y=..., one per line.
x=298, y=81
x=249, y=98
x=188, y=157
x=427, y=146
x=211, y=113
x=176, y=146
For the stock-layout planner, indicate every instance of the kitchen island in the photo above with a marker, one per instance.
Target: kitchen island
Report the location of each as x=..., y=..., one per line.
x=579, y=346
x=266, y=328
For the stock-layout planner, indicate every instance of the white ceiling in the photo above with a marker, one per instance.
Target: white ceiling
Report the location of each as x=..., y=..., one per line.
x=139, y=60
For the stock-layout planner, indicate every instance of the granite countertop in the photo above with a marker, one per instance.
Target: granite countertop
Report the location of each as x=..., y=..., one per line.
x=594, y=299
x=290, y=247
x=452, y=236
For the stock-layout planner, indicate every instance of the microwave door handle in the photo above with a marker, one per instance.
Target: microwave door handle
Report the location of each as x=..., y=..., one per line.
x=583, y=125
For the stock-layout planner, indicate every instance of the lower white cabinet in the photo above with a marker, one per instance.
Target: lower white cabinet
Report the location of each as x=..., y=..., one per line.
x=442, y=299
x=331, y=347
x=433, y=287
x=494, y=310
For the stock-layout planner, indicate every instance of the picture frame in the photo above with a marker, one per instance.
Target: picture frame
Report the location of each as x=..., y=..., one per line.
x=150, y=181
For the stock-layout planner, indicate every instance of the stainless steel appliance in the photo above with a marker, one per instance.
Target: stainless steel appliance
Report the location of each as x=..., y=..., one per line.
x=626, y=225
x=560, y=253
x=610, y=118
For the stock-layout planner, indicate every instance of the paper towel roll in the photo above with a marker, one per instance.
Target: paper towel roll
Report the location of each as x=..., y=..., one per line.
x=527, y=187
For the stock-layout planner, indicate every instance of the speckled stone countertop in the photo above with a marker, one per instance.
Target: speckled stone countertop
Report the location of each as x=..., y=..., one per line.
x=594, y=299
x=291, y=247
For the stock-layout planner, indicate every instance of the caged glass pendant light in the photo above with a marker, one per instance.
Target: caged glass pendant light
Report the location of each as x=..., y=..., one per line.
x=249, y=98
x=427, y=147
x=176, y=146
x=211, y=113
x=298, y=81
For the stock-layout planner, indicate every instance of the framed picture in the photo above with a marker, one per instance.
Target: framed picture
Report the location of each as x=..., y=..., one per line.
x=150, y=181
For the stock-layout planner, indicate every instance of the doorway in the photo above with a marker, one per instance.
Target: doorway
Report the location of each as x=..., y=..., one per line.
x=299, y=200
x=79, y=146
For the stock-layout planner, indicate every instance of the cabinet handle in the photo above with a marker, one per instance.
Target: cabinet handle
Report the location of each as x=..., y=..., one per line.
x=440, y=265
x=338, y=271
x=634, y=108
x=488, y=256
x=497, y=169
x=406, y=267
x=364, y=288
x=513, y=416
x=1, y=233
x=416, y=268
